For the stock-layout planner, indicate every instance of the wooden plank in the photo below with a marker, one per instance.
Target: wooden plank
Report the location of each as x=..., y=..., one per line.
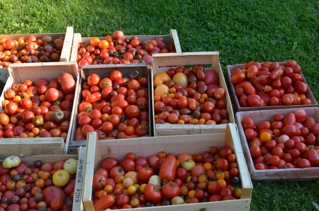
x=98, y=150
x=91, y=153
x=75, y=45
x=34, y=71
x=274, y=174
x=67, y=45
x=161, y=63
x=176, y=41
x=77, y=199
x=30, y=146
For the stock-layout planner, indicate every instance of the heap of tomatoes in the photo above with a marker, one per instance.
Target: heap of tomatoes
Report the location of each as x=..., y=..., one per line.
x=270, y=84
x=189, y=95
x=164, y=179
x=287, y=141
x=30, y=49
x=40, y=108
x=118, y=49
x=114, y=106
x=31, y=187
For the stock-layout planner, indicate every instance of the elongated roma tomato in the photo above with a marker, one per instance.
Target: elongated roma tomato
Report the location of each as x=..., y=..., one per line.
x=104, y=202
x=168, y=168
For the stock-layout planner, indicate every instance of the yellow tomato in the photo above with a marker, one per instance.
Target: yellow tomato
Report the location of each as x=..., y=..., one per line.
x=161, y=78
x=70, y=165
x=60, y=178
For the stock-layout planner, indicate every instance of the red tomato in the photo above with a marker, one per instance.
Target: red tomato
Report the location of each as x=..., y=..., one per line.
x=255, y=151
x=255, y=100
x=225, y=151
x=313, y=156
x=105, y=202
x=248, y=122
x=144, y=174
x=168, y=168
x=238, y=77
x=109, y=162
x=122, y=199
x=289, y=119
x=93, y=79
x=214, y=187
x=170, y=190
x=99, y=181
x=132, y=111
x=221, y=164
x=115, y=75
x=303, y=163
x=252, y=71
x=152, y=193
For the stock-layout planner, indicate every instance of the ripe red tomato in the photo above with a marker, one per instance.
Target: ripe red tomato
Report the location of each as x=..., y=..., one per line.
x=99, y=181
x=221, y=164
x=170, y=190
x=93, y=79
x=248, y=122
x=132, y=111
x=51, y=94
x=152, y=193
x=109, y=162
x=115, y=75
x=144, y=174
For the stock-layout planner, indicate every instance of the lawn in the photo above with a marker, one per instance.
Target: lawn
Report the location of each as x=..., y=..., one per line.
x=240, y=30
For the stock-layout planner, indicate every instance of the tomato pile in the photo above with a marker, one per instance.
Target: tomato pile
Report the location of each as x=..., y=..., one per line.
x=41, y=108
x=114, y=107
x=288, y=141
x=164, y=179
x=116, y=49
x=270, y=84
x=30, y=49
x=189, y=95
x=40, y=186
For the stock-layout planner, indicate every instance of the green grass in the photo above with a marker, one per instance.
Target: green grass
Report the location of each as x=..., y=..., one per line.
x=240, y=30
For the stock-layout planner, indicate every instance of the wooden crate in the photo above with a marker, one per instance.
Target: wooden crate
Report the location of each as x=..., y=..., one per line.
x=67, y=44
x=104, y=71
x=230, y=69
x=98, y=150
x=275, y=174
x=161, y=62
x=34, y=71
x=171, y=38
x=50, y=157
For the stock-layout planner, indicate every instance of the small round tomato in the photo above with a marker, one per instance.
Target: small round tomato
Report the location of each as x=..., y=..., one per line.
x=170, y=190
x=152, y=193
x=115, y=75
x=93, y=79
x=132, y=111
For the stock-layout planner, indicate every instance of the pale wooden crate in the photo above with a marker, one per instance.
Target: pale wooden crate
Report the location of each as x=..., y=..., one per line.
x=171, y=38
x=98, y=150
x=104, y=71
x=34, y=71
x=67, y=43
x=52, y=158
x=230, y=69
x=275, y=174
x=161, y=63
